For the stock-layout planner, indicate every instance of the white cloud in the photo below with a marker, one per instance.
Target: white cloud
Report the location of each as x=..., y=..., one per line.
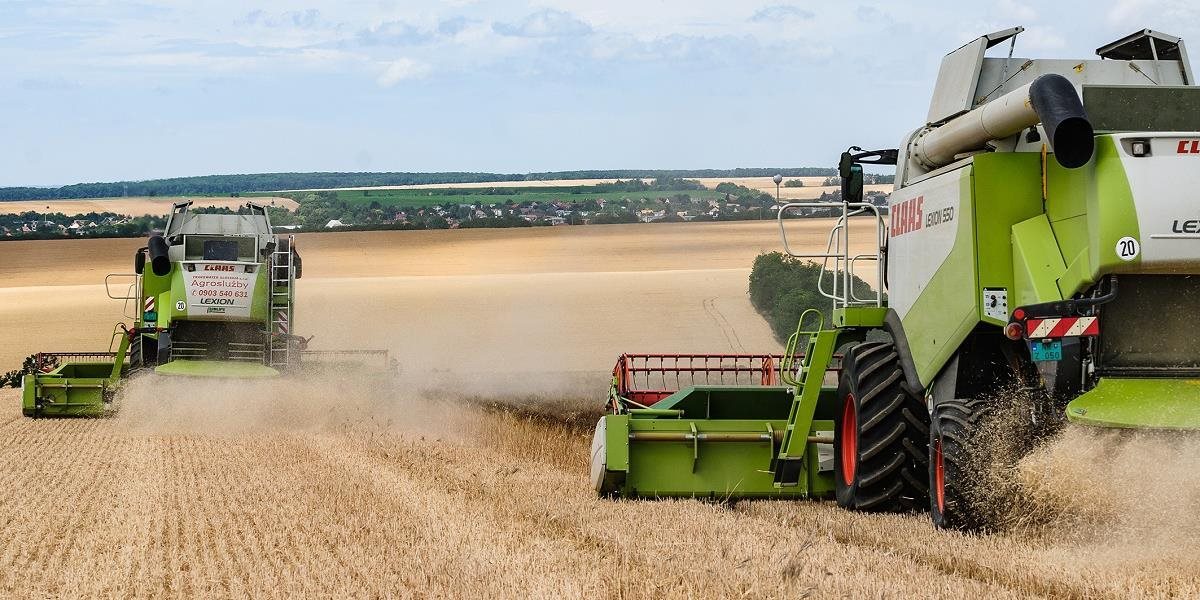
x=1171, y=14
x=1017, y=10
x=402, y=69
x=781, y=12
x=1123, y=10
x=545, y=23
x=1041, y=38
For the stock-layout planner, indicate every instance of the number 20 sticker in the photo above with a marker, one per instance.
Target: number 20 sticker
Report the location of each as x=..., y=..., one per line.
x=1128, y=248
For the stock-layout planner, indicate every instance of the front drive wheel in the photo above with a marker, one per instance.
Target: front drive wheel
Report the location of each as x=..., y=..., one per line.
x=954, y=501
x=880, y=434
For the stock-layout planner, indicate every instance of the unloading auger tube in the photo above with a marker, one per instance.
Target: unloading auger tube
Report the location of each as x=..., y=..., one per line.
x=1050, y=100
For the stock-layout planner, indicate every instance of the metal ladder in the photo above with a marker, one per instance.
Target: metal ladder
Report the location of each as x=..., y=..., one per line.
x=281, y=278
x=835, y=282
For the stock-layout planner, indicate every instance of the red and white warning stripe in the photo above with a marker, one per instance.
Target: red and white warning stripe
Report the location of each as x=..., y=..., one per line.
x=1062, y=327
x=149, y=304
x=281, y=321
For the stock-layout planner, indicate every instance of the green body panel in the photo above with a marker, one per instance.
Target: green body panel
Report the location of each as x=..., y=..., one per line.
x=1007, y=189
x=1037, y=263
x=859, y=316
x=1141, y=403
x=1090, y=208
x=1066, y=205
x=216, y=368
x=996, y=192
x=177, y=291
x=733, y=435
x=948, y=307
x=260, y=304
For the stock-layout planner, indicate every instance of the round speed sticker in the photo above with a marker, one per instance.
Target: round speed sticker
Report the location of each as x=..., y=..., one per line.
x=1128, y=248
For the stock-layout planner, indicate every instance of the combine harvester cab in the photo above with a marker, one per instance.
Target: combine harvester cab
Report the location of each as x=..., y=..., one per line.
x=213, y=296
x=1040, y=262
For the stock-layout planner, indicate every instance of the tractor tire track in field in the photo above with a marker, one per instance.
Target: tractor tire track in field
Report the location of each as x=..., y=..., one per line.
x=727, y=329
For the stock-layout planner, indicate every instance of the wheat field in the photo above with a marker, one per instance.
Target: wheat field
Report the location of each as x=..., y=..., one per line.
x=133, y=205
x=466, y=476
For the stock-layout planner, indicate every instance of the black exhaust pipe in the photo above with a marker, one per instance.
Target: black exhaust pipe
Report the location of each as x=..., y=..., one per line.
x=1058, y=106
x=159, y=263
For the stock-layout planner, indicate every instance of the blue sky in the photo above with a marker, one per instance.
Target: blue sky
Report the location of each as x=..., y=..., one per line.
x=110, y=90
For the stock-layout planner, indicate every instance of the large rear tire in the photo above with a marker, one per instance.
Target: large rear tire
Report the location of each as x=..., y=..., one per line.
x=880, y=434
x=954, y=470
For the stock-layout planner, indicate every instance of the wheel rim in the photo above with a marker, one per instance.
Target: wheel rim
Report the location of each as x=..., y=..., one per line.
x=939, y=476
x=849, y=447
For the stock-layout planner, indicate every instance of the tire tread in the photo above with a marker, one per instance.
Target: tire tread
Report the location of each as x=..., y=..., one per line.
x=893, y=434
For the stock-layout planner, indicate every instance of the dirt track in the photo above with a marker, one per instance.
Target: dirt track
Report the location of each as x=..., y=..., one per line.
x=330, y=488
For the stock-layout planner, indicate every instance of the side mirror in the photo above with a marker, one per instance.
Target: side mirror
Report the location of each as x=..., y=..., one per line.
x=845, y=164
x=852, y=182
x=139, y=261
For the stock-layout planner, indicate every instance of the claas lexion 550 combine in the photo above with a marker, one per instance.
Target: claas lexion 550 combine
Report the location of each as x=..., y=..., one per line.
x=213, y=296
x=1041, y=237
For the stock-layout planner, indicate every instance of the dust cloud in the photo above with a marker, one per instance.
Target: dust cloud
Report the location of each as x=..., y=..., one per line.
x=157, y=404
x=1088, y=498
x=1138, y=492
x=443, y=403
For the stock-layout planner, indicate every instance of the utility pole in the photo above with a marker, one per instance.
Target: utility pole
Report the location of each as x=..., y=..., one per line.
x=777, y=179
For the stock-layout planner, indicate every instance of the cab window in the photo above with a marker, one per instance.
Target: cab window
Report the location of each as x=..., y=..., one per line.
x=220, y=250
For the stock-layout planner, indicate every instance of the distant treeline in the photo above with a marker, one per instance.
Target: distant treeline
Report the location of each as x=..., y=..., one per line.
x=782, y=287
x=221, y=185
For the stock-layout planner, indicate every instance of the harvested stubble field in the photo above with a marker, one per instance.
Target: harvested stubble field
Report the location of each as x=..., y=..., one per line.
x=334, y=488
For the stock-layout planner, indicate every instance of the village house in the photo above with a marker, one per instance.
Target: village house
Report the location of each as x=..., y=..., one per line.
x=78, y=225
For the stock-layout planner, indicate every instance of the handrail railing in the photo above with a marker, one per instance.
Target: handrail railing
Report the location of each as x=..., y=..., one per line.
x=130, y=292
x=836, y=282
x=788, y=372
x=45, y=362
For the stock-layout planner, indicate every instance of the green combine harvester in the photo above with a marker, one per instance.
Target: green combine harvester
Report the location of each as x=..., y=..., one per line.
x=217, y=300
x=1041, y=241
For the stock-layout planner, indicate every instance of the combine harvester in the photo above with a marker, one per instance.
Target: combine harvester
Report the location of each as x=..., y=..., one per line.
x=218, y=300
x=1041, y=240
